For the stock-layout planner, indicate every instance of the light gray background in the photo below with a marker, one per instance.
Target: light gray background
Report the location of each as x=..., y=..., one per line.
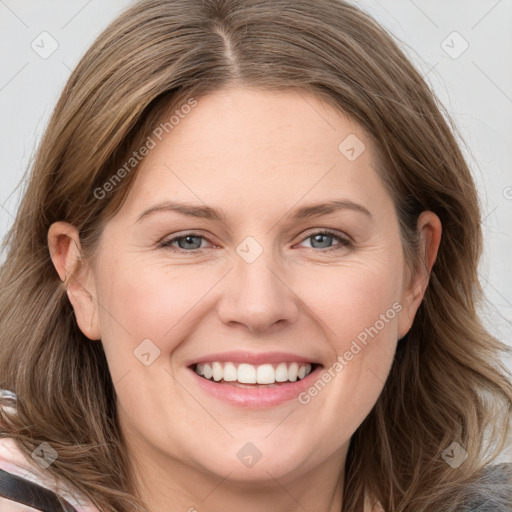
x=476, y=87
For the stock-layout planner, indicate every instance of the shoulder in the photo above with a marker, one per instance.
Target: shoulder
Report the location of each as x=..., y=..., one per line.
x=492, y=491
x=14, y=461
x=13, y=506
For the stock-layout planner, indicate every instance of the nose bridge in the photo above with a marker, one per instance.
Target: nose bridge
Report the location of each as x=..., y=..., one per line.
x=258, y=297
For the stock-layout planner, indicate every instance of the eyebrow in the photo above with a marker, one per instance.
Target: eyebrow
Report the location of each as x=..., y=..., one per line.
x=207, y=212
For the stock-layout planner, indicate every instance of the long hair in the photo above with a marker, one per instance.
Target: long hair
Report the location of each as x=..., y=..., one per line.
x=446, y=384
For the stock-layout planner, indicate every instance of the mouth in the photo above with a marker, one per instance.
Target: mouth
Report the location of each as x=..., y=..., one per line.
x=262, y=384
x=249, y=375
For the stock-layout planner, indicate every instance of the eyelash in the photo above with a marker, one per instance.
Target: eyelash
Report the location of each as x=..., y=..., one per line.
x=344, y=242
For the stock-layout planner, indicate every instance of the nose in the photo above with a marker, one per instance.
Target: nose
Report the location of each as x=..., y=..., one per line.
x=257, y=297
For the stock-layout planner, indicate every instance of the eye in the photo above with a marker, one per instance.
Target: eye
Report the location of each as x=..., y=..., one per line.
x=322, y=239
x=190, y=242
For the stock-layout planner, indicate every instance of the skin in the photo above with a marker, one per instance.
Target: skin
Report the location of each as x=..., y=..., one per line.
x=257, y=156
x=12, y=506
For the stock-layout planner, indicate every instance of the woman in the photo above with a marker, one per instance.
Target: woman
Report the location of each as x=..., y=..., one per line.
x=177, y=331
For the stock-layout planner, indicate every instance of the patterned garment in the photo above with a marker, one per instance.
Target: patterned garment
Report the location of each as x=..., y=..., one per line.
x=14, y=461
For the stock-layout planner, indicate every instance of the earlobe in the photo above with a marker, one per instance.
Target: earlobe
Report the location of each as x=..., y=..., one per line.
x=66, y=255
x=430, y=229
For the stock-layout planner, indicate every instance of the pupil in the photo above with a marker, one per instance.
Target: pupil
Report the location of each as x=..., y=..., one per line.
x=320, y=237
x=189, y=240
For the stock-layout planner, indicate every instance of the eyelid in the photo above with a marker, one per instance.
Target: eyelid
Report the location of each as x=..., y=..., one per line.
x=345, y=240
x=166, y=242
x=327, y=231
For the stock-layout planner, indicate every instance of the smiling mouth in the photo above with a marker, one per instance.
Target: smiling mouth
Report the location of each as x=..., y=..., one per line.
x=248, y=375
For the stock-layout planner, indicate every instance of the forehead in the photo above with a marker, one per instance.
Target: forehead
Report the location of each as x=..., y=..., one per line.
x=260, y=146
x=282, y=123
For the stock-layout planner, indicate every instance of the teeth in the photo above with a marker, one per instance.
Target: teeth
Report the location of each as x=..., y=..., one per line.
x=246, y=374
x=293, y=369
x=207, y=371
x=265, y=374
x=281, y=372
x=217, y=371
x=230, y=373
x=250, y=374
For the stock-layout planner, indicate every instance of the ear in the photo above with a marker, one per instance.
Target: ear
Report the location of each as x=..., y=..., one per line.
x=429, y=228
x=66, y=255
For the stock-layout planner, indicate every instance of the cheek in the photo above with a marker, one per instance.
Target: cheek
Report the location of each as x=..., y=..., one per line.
x=362, y=331
x=149, y=301
x=146, y=311
x=359, y=306
x=354, y=298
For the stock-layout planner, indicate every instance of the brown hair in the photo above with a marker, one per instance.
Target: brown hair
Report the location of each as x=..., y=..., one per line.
x=445, y=385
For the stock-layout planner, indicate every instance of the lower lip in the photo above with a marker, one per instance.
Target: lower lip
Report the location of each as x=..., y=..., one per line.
x=260, y=396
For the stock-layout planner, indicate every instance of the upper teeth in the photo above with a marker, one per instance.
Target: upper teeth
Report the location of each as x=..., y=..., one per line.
x=250, y=374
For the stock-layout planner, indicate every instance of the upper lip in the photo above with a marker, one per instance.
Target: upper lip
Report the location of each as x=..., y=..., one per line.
x=237, y=356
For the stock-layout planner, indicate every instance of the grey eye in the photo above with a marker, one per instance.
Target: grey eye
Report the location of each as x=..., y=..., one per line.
x=189, y=242
x=323, y=240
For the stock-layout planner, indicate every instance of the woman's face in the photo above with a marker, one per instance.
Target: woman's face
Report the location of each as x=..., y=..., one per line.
x=252, y=271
